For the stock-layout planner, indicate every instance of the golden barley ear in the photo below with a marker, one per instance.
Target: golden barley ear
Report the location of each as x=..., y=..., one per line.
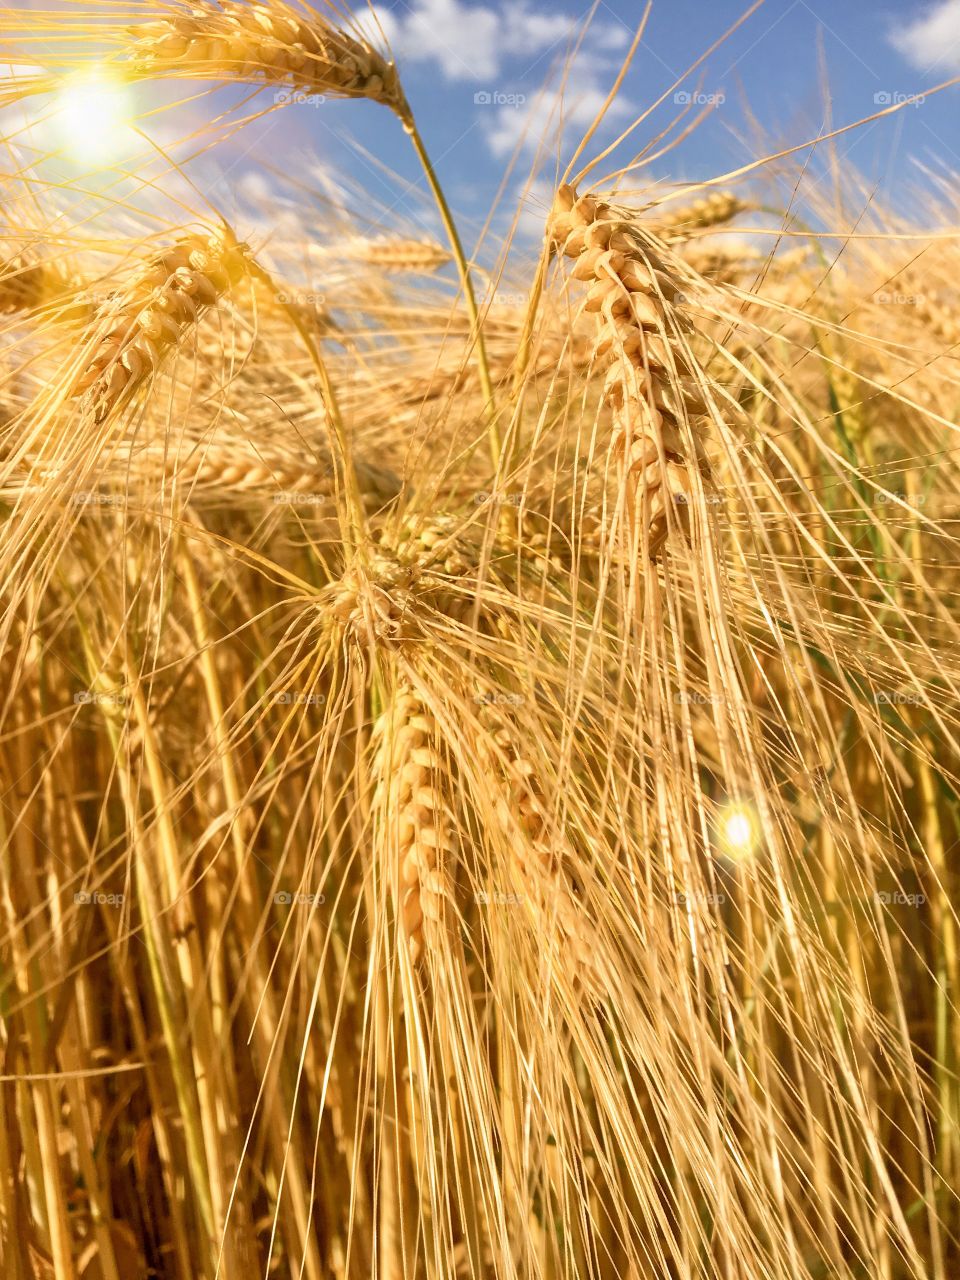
x=414, y=820
x=541, y=856
x=649, y=384
x=683, y=221
x=139, y=328
x=399, y=254
x=271, y=43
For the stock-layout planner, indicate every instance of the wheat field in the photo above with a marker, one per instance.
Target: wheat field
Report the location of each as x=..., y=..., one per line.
x=479, y=775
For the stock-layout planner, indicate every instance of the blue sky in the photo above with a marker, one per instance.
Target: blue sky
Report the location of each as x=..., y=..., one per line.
x=480, y=74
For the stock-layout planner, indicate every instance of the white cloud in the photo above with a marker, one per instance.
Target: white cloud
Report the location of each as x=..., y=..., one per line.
x=933, y=39
x=542, y=117
x=475, y=42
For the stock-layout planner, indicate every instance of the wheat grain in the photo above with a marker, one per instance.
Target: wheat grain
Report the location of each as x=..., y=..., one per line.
x=648, y=386
x=153, y=314
x=410, y=776
x=272, y=43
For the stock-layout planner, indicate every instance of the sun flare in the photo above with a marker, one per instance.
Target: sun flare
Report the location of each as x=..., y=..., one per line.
x=738, y=831
x=92, y=119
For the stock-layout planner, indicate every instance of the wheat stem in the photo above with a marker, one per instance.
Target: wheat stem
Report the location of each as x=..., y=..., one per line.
x=344, y=455
x=466, y=283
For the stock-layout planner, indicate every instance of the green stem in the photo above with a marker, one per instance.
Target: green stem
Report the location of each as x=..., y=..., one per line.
x=476, y=333
x=523, y=358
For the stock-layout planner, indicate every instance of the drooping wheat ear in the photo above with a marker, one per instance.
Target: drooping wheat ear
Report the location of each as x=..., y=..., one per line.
x=416, y=829
x=649, y=385
x=23, y=285
x=398, y=254
x=938, y=317
x=149, y=318
x=28, y=286
x=541, y=853
x=274, y=43
x=712, y=211
x=211, y=473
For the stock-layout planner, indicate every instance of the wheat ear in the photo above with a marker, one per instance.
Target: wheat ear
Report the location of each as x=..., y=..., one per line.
x=148, y=319
x=714, y=210
x=271, y=42
x=542, y=856
x=410, y=775
x=413, y=582
x=29, y=286
x=276, y=44
x=648, y=386
x=397, y=254
x=23, y=286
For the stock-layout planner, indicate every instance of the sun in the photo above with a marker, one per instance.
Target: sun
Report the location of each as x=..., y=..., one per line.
x=92, y=119
x=738, y=831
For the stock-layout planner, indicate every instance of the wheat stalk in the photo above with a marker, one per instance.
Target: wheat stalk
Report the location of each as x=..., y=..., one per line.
x=410, y=775
x=272, y=43
x=648, y=386
x=149, y=318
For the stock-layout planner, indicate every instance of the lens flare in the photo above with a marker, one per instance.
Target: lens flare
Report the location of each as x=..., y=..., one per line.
x=738, y=831
x=92, y=120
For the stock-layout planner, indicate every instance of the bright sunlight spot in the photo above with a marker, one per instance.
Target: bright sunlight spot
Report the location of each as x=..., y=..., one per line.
x=738, y=831
x=92, y=119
